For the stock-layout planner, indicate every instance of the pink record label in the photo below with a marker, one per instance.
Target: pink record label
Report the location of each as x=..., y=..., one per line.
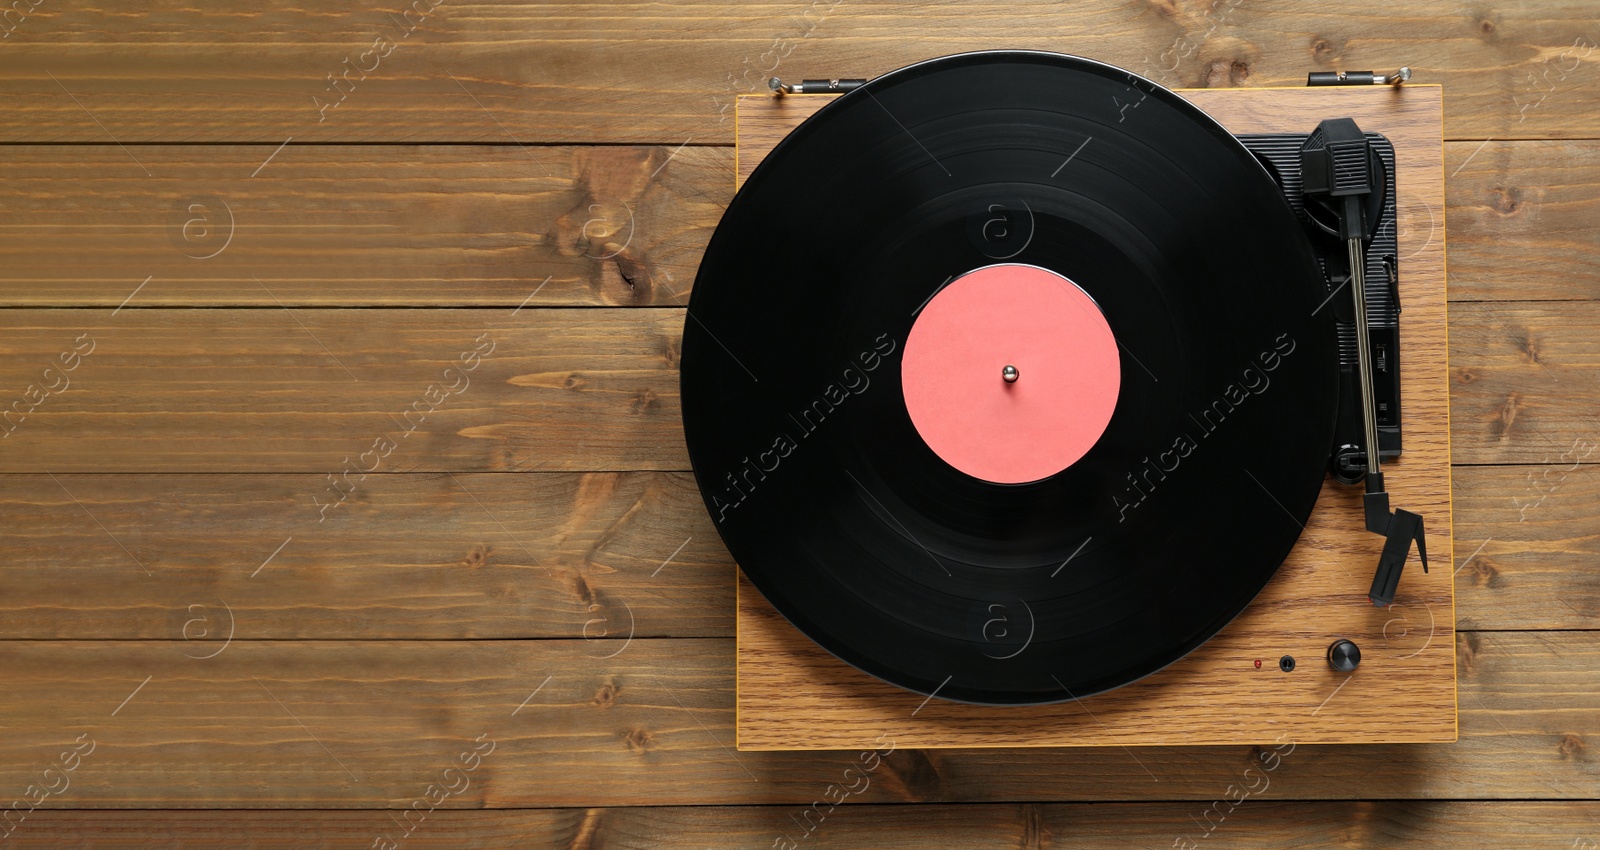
x=1011, y=373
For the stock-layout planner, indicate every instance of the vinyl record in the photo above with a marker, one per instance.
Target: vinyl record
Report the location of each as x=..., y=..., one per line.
x=1034, y=534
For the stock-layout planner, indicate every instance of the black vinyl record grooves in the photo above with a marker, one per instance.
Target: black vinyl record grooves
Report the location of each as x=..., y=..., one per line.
x=873, y=545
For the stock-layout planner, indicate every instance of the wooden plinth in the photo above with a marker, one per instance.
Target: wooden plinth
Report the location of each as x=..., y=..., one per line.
x=793, y=695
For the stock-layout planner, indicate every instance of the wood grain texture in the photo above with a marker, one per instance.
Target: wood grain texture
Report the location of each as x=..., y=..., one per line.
x=276, y=389
x=1252, y=825
x=660, y=74
x=485, y=225
x=370, y=225
x=654, y=723
x=794, y=695
x=1522, y=220
x=420, y=556
x=428, y=556
x=1523, y=379
x=1526, y=538
x=417, y=577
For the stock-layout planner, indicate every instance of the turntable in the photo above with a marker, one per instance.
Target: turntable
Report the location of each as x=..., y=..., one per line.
x=1029, y=397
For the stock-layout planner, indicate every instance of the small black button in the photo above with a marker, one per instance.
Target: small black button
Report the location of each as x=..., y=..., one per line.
x=1286, y=663
x=1344, y=656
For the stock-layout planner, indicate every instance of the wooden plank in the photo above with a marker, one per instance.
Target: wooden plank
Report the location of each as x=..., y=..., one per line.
x=429, y=557
x=422, y=556
x=1527, y=538
x=361, y=225
x=660, y=74
x=370, y=225
x=1249, y=825
x=273, y=390
x=367, y=724
x=1523, y=380
x=1522, y=220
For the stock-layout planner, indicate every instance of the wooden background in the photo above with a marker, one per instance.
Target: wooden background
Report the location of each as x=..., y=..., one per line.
x=266, y=293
